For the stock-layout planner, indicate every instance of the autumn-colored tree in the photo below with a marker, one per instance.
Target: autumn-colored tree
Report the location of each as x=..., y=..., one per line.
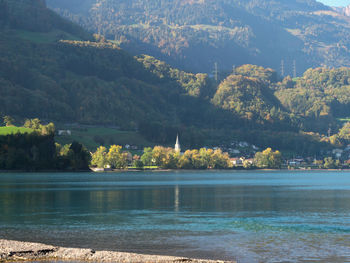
x=116, y=158
x=8, y=120
x=268, y=159
x=344, y=132
x=99, y=158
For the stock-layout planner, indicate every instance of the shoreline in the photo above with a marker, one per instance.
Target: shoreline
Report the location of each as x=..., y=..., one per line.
x=173, y=170
x=13, y=251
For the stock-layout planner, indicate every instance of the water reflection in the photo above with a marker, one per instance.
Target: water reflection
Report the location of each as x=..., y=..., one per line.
x=253, y=217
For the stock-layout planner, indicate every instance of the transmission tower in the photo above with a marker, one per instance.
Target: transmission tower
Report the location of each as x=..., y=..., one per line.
x=294, y=69
x=282, y=68
x=216, y=72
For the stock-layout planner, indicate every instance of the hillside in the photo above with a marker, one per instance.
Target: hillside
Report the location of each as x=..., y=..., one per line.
x=71, y=80
x=194, y=35
x=59, y=73
x=55, y=73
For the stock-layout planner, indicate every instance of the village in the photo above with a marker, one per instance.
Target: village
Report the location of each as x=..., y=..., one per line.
x=242, y=156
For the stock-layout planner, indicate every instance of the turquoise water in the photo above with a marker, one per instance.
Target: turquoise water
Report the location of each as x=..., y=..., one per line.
x=245, y=216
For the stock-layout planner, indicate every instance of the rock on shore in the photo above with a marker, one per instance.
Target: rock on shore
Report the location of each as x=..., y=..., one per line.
x=19, y=251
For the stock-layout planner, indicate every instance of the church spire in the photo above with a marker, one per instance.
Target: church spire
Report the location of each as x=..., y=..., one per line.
x=177, y=144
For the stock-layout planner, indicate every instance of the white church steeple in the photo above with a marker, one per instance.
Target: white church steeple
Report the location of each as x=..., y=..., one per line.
x=177, y=145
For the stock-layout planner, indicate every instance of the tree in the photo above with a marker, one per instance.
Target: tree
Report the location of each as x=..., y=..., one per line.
x=99, y=158
x=79, y=157
x=184, y=162
x=137, y=162
x=220, y=160
x=147, y=156
x=344, y=132
x=116, y=158
x=34, y=124
x=205, y=155
x=329, y=163
x=48, y=129
x=158, y=155
x=268, y=159
x=247, y=164
x=8, y=120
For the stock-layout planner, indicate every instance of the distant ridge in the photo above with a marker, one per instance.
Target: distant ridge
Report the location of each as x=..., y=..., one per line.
x=33, y=15
x=194, y=35
x=343, y=10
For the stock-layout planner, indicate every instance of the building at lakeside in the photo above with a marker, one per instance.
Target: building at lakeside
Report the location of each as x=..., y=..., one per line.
x=177, y=145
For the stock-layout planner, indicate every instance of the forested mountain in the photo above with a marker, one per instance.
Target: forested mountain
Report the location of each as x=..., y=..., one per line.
x=72, y=80
x=194, y=34
x=54, y=70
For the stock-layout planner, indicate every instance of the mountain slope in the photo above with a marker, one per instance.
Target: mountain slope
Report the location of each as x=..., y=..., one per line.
x=71, y=80
x=74, y=80
x=51, y=69
x=195, y=34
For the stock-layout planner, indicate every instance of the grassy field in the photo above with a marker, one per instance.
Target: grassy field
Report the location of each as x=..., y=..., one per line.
x=43, y=38
x=344, y=119
x=97, y=136
x=13, y=130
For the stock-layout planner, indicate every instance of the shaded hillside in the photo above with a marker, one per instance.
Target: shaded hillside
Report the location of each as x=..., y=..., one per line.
x=71, y=81
x=55, y=73
x=196, y=34
x=94, y=82
x=32, y=15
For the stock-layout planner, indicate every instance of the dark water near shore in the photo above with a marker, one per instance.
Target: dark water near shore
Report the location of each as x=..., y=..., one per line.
x=245, y=216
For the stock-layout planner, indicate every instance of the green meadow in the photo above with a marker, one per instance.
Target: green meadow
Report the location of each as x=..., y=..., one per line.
x=96, y=136
x=14, y=130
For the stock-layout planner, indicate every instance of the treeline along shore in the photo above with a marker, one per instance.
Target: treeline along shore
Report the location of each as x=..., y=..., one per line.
x=32, y=147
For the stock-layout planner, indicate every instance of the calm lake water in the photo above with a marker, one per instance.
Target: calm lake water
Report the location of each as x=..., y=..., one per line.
x=245, y=216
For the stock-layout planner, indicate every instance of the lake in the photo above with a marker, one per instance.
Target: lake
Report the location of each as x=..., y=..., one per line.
x=258, y=216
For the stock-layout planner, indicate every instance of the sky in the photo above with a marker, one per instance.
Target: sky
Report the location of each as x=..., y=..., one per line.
x=335, y=2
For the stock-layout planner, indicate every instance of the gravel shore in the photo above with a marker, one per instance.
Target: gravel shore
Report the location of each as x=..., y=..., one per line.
x=21, y=251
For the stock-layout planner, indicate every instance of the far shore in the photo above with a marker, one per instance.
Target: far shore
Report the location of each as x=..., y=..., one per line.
x=300, y=169
x=12, y=251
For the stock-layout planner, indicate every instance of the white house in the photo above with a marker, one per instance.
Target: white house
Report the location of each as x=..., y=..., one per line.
x=64, y=132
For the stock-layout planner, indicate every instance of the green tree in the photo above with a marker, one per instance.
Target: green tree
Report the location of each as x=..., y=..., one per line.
x=147, y=156
x=137, y=162
x=79, y=156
